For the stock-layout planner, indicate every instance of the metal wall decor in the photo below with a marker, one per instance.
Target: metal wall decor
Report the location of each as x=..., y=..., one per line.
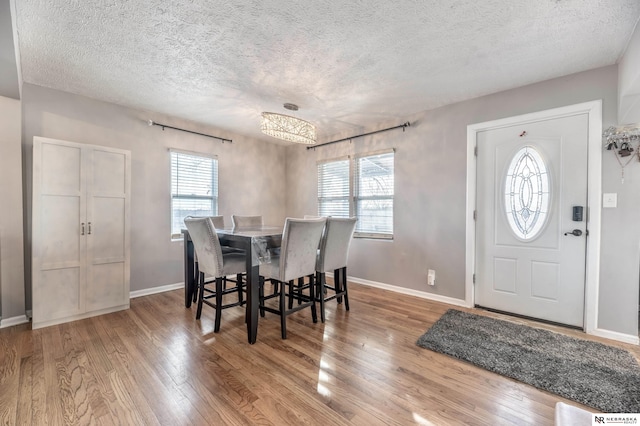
x=624, y=141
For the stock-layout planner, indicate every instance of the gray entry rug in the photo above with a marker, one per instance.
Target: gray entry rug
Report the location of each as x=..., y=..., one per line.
x=600, y=376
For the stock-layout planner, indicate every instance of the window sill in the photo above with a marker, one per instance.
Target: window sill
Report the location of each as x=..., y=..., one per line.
x=372, y=236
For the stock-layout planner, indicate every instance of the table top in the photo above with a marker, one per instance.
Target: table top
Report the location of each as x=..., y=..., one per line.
x=253, y=232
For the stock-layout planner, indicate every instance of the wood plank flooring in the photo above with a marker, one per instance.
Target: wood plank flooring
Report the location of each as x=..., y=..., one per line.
x=154, y=364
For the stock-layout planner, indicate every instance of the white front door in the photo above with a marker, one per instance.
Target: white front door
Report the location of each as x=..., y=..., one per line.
x=531, y=179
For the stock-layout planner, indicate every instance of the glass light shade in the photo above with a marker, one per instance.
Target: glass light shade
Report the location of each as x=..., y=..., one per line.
x=288, y=128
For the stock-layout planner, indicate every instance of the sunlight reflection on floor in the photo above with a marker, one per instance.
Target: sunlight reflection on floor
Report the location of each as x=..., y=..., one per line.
x=421, y=420
x=323, y=377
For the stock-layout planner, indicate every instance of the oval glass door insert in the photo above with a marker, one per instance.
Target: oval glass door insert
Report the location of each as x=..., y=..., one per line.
x=527, y=193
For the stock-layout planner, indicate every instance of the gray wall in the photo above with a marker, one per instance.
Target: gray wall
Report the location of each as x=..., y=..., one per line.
x=11, y=239
x=259, y=177
x=430, y=195
x=251, y=172
x=9, y=81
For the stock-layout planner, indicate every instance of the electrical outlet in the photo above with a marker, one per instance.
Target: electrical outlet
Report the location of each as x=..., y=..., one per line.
x=431, y=277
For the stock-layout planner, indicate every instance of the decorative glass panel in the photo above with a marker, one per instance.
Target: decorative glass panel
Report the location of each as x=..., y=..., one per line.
x=527, y=193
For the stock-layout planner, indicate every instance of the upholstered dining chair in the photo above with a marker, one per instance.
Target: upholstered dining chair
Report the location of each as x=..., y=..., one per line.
x=218, y=223
x=245, y=221
x=215, y=263
x=297, y=258
x=332, y=257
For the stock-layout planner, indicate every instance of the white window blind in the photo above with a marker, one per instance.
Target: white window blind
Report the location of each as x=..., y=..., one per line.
x=333, y=188
x=374, y=189
x=194, y=188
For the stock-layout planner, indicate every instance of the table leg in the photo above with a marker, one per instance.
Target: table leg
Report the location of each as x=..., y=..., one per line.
x=189, y=279
x=253, y=302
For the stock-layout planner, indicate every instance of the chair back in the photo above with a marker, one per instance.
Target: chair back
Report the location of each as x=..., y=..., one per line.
x=246, y=221
x=334, y=247
x=206, y=244
x=218, y=221
x=298, y=252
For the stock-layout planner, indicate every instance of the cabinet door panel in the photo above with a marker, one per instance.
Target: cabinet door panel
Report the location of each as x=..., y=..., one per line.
x=60, y=231
x=109, y=173
x=106, y=286
x=60, y=167
x=107, y=239
x=60, y=295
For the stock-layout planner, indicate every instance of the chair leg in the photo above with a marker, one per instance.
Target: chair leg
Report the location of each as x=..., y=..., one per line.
x=300, y=285
x=219, y=281
x=239, y=283
x=201, y=297
x=291, y=290
x=261, y=296
x=344, y=288
x=321, y=278
x=312, y=297
x=336, y=284
x=290, y=300
x=194, y=296
x=283, y=312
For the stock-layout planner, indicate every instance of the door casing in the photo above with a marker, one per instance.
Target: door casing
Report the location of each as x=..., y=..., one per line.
x=594, y=197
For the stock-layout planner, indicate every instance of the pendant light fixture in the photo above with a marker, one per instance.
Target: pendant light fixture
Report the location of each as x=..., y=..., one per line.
x=288, y=128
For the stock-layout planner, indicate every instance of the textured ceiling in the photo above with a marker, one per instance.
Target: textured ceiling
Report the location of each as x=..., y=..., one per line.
x=348, y=65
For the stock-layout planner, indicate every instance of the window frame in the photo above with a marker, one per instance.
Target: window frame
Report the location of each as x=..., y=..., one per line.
x=353, y=192
x=214, y=186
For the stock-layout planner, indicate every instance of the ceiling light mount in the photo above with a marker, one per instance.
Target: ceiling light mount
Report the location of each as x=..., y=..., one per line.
x=290, y=107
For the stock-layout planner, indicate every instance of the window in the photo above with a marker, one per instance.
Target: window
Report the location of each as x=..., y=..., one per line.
x=374, y=194
x=194, y=188
x=333, y=188
x=362, y=187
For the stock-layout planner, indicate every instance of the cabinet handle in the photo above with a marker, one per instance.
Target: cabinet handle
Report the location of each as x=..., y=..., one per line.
x=89, y=233
x=82, y=231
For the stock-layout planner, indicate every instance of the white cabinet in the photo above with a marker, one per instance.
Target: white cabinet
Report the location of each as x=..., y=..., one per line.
x=80, y=228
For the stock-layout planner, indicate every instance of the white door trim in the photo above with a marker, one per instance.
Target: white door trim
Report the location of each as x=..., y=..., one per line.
x=594, y=198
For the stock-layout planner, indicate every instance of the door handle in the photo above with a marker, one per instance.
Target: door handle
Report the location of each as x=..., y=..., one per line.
x=575, y=232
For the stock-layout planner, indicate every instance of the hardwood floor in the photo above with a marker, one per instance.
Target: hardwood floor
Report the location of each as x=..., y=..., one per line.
x=155, y=364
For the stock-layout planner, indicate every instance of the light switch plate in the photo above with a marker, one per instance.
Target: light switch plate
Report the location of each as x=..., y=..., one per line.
x=610, y=200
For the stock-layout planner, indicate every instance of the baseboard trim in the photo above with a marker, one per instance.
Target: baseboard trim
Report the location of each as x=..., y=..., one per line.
x=614, y=335
x=411, y=292
x=155, y=290
x=10, y=322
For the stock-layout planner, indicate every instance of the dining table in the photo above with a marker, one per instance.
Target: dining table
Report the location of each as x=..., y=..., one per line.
x=258, y=243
